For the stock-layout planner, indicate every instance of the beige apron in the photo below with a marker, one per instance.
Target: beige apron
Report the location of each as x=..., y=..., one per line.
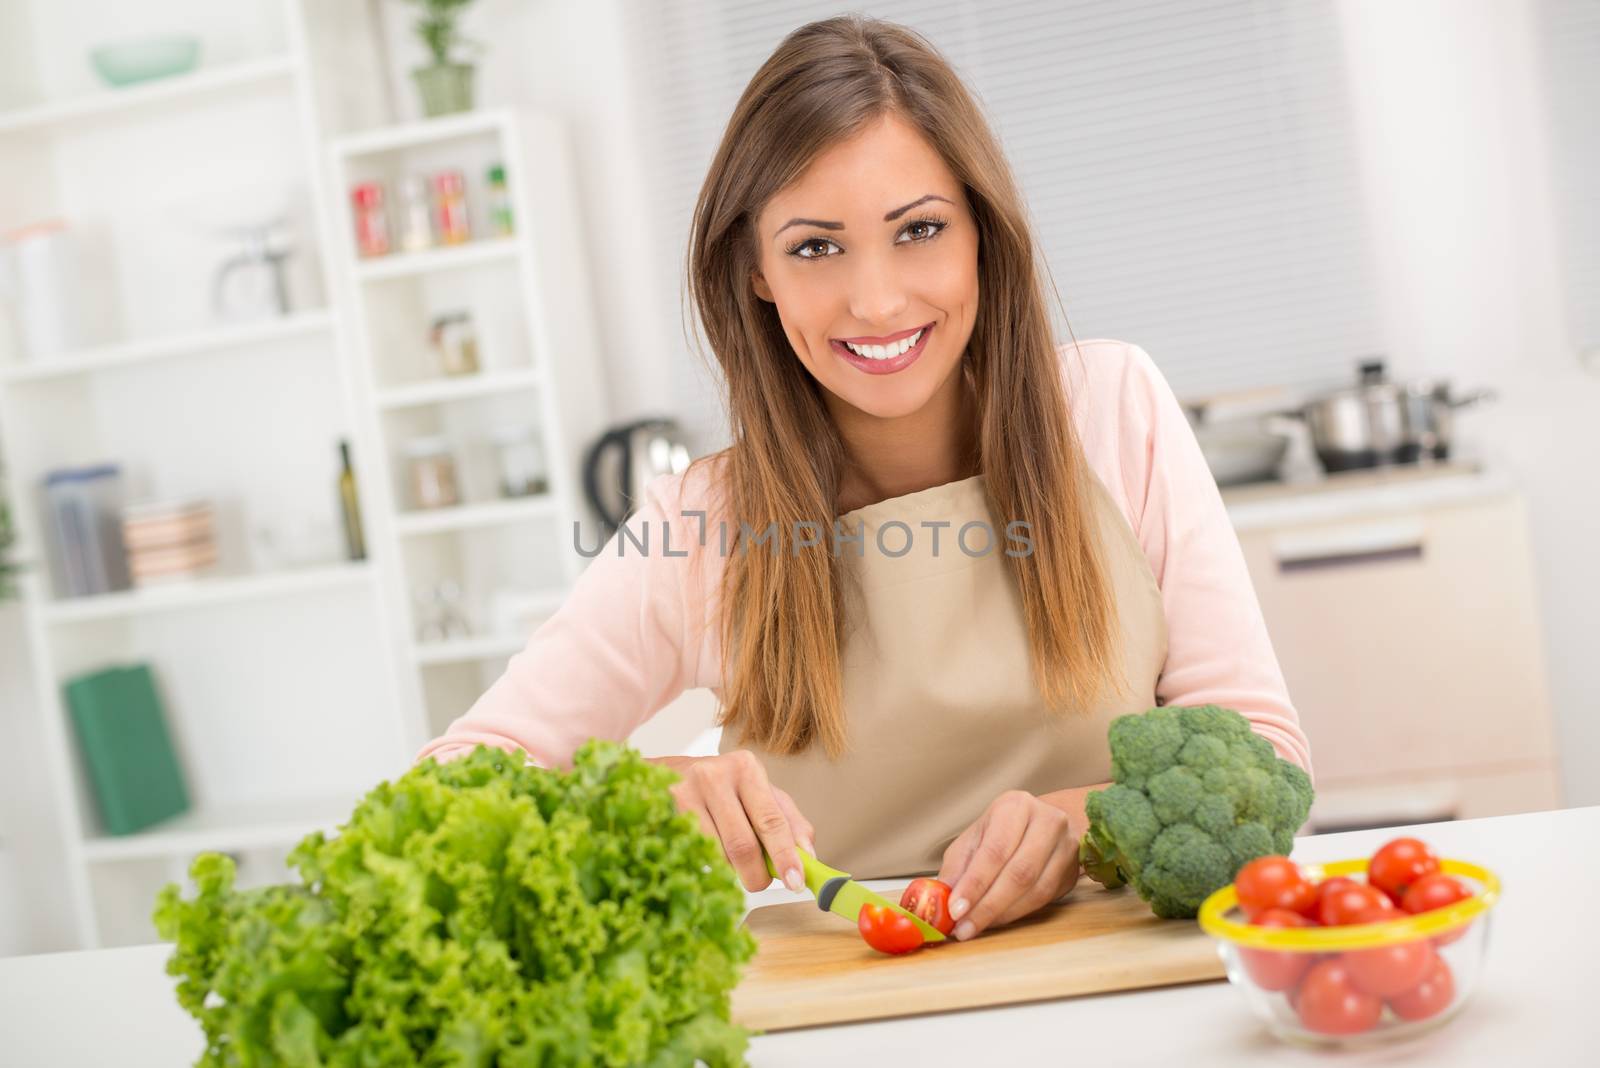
x=942, y=712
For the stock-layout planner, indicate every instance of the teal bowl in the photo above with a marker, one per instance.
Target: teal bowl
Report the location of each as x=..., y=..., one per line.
x=145, y=59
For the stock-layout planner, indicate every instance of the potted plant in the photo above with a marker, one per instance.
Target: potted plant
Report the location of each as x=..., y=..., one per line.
x=445, y=85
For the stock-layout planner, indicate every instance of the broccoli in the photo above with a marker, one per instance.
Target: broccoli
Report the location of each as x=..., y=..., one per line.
x=1197, y=795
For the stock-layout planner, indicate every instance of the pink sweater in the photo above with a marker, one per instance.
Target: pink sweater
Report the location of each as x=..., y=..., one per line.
x=638, y=629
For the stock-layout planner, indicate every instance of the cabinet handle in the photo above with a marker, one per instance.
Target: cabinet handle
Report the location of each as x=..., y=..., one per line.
x=1353, y=559
x=1349, y=546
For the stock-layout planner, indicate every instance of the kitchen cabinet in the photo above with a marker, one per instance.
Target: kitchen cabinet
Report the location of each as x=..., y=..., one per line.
x=1408, y=632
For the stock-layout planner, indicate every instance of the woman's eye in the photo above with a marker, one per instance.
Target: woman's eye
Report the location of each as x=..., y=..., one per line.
x=922, y=229
x=803, y=249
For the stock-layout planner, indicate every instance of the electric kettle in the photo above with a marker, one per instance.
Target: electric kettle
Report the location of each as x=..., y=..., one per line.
x=623, y=462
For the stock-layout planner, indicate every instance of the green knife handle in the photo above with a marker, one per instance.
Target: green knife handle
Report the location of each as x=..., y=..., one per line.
x=816, y=873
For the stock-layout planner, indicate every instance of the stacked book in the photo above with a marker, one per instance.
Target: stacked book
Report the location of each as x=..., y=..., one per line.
x=169, y=539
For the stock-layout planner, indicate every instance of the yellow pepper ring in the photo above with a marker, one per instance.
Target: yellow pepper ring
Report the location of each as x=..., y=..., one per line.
x=1214, y=921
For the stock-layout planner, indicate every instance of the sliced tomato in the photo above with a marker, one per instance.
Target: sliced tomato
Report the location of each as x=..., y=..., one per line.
x=929, y=900
x=1429, y=997
x=1392, y=969
x=1274, y=883
x=1398, y=864
x=888, y=931
x=1277, y=969
x=1436, y=891
x=1350, y=899
x=1330, y=1003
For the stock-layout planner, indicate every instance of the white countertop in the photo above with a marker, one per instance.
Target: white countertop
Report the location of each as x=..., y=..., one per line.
x=1533, y=1006
x=1357, y=494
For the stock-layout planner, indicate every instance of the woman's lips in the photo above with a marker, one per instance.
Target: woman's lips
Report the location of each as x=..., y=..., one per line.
x=883, y=367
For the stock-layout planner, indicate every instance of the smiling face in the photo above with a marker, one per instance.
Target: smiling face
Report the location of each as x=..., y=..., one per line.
x=871, y=258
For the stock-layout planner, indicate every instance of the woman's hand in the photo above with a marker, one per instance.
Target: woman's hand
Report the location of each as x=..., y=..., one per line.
x=1018, y=857
x=736, y=804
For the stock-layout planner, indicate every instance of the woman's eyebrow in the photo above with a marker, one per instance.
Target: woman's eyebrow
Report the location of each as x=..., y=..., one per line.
x=890, y=217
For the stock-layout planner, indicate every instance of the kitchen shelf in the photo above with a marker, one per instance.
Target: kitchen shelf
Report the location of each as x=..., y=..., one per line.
x=467, y=650
x=471, y=516
x=425, y=132
x=411, y=264
x=205, y=592
x=463, y=388
x=176, y=89
x=130, y=353
x=531, y=300
x=223, y=828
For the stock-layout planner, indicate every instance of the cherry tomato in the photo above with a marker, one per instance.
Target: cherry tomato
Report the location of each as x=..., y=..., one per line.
x=1400, y=863
x=1387, y=970
x=888, y=931
x=1327, y=887
x=1277, y=969
x=1435, y=892
x=1429, y=997
x=929, y=899
x=1274, y=883
x=1344, y=903
x=1330, y=1003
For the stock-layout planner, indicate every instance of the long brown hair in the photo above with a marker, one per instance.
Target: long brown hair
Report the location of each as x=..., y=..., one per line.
x=782, y=612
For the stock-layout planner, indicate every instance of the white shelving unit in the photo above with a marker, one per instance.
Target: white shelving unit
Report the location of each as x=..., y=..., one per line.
x=108, y=104
x=200, y=342
x=204, y=591
x=539, y=368
x=291, y=688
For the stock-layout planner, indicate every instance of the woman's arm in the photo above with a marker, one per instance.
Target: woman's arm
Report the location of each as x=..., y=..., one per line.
x=1218, y=649
x=618, y=650
x=1071, y=801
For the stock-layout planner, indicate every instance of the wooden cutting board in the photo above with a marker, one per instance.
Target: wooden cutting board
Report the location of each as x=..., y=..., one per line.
x=812, y=967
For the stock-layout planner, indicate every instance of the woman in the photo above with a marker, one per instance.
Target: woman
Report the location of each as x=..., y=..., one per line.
x=862, y=265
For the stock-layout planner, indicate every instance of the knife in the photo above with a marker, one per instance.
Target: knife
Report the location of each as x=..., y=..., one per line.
x=841, y=895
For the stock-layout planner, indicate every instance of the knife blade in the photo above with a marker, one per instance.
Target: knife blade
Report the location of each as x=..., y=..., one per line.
x=838, y=893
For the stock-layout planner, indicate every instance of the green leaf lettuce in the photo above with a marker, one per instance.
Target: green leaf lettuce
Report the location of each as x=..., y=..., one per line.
x=476, y=913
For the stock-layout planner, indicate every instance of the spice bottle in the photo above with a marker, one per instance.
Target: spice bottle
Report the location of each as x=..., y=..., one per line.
x=450, y=208
x=372, y=224
x=499, y=202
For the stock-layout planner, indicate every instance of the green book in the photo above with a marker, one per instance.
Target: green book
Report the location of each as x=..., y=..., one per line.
x=122, y=733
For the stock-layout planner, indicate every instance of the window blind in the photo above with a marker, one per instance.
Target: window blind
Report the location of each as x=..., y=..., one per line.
x=1190, y=169
x=1569, y=35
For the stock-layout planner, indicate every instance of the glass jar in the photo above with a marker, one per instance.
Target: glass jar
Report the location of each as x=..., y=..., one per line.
x=455, y=343
x=522, y=465
x=418, y=232
x=431, y=473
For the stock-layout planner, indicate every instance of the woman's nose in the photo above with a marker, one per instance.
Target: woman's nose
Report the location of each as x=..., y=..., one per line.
x=877, y=293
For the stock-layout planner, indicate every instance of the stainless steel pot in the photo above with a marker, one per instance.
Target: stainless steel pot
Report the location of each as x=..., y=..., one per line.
x=1381, y=422
x=1430, y=415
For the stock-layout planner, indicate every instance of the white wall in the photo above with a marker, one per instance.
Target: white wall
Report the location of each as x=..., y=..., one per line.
x=1454, y=132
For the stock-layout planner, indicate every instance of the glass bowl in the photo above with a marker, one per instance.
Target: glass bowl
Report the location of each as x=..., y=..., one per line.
x=1357, y=985
x=145, y=59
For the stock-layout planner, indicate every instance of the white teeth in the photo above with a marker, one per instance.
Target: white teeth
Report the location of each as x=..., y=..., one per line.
x=886, y=352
